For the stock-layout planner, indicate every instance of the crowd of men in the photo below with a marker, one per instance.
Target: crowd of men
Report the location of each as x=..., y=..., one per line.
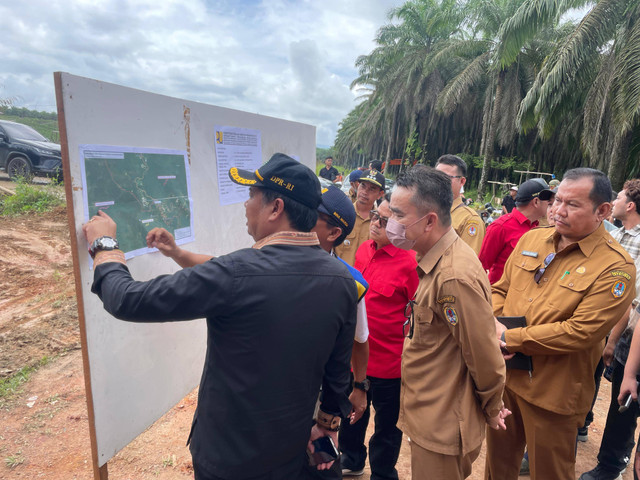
x=403, y=303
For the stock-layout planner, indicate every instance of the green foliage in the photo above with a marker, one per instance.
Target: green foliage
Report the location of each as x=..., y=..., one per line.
x=31, y=199
x=12, y=461
x=11, y=385
x=45, y=123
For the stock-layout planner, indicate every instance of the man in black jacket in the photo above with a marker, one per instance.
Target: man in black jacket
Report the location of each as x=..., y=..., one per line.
x=271, y=343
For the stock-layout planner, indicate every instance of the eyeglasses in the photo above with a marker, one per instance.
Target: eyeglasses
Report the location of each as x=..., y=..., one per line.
x=407, y=327
x=376, y=217
x=547, y=262
x=455, y=176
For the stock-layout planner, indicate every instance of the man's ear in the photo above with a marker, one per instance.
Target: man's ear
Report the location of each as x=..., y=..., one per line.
x=463, y=180
x=603, y=211
x=277, y=209
x=334, y=233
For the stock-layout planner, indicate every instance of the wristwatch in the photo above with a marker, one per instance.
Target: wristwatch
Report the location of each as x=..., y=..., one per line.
x=328, y=421
x=103, y=243
x=364, y=385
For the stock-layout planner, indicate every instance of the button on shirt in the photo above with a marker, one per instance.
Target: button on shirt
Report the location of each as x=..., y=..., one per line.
x=583, y=292
x=392, y=277
x=500, y=240
x=467, y=224
x=452, y=369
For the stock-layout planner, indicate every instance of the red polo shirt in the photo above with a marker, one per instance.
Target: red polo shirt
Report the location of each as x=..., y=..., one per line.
x=393, y=280
x=500, y=240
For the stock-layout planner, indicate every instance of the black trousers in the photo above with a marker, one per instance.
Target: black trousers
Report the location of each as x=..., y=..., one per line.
x=617, y=438
x=296, y=469
x=384, y=445
x=597, y=377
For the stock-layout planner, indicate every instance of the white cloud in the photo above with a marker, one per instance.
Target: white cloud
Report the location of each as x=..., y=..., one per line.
x=285, y=58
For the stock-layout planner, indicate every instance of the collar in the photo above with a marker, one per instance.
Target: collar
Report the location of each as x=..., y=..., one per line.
x=634, y=232
x=587, y=245
x=435, y=253
x=521, y=217
x=374, y=207
x=456, y=203
x=389, y=249
x=300, y=239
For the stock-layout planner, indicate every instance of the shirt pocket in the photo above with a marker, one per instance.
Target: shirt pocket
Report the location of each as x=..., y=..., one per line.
x=384, y=289
x=425, y=333
x=569, y=294
x=524, y=273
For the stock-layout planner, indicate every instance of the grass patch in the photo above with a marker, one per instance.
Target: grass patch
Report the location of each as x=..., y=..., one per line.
x=11, y=385
x=12, y=461
x=31, y=199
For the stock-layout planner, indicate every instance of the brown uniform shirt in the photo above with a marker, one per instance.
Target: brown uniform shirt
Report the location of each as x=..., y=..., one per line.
x=452, y=370
x=467, y=224
x=583, y=292
x=360, y=234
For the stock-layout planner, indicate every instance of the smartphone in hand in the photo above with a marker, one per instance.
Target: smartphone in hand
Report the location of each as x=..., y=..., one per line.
x=324, y=451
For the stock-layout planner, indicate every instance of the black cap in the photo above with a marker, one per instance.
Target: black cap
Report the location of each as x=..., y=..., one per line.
x=284, y=175
x=373, y=176
x=535, y=187
x=339, y=208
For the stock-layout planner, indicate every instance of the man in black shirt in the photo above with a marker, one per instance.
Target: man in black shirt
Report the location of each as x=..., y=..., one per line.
x=509, y=201
x=329, y=171
x=270, y=343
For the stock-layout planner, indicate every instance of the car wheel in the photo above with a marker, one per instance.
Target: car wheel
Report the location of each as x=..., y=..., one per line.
x=19, y=167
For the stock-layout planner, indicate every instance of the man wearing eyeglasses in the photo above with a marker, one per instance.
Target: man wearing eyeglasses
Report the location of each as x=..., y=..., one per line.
x=370, y=190
x=465, y=220
x=452, y=369
x=392, y=278
x=572, y=284
x=503, y=234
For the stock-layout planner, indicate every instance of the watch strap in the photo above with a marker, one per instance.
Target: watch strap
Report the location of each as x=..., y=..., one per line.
x=328, y=421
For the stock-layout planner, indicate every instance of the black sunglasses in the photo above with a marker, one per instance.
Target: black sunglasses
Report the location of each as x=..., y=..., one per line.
x=541, y=270
x=407, y=326
x=376, y=217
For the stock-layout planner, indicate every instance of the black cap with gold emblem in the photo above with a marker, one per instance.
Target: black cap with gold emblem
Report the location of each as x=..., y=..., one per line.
x=284, y=175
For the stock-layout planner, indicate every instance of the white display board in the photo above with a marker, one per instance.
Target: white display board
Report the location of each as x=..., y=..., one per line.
x=136, y=372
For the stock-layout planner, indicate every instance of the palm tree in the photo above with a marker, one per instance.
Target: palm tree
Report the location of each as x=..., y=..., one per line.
x=600, y=61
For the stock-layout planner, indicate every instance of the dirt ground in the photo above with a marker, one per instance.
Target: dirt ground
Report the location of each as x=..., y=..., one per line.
x=44, y=430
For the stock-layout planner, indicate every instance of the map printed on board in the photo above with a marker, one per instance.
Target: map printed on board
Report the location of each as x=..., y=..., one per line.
x=140, y=188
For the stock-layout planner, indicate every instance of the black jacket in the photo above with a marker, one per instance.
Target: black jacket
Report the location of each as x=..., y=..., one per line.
x=281, y=321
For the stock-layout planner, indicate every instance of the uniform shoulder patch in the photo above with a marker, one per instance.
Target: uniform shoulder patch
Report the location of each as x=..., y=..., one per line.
x=618, y=289
x=446, y=299
x=451, y=314
x=620, y=273
x=472, y=230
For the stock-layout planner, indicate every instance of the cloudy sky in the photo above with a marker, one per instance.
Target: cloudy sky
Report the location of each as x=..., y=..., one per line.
x=292, y=59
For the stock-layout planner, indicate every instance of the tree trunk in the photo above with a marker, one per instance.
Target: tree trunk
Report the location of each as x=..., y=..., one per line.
x=618, y=164
x=490, y=148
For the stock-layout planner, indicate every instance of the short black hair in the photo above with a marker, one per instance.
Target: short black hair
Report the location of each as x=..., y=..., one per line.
x=432, y=191
x=327, y=158
x=301, y=217
x=601, y=190
x=376, y=165
x=454, y=160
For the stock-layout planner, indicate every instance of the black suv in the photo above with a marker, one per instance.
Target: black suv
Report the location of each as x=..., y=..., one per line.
x=25, y=153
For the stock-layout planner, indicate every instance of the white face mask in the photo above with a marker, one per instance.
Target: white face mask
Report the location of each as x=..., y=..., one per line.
x=397, y=234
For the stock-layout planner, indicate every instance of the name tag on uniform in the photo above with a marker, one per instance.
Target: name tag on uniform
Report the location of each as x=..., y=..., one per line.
x=527, y=253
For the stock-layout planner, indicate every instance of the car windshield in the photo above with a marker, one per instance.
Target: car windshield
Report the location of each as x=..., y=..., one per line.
x=22, y=132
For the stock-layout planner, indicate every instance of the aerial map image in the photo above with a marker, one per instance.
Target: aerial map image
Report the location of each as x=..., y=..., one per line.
x=140, y=190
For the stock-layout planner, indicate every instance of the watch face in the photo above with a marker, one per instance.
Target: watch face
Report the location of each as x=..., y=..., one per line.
x=107, y=243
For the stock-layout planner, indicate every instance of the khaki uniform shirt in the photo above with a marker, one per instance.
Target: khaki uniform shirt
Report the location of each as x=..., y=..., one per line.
x=467, y=224
x=452, y=369
x=360, y=234
x=583, y=292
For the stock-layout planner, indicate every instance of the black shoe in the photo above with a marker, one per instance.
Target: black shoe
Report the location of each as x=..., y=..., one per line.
x=601, y=473
x=583, y=434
